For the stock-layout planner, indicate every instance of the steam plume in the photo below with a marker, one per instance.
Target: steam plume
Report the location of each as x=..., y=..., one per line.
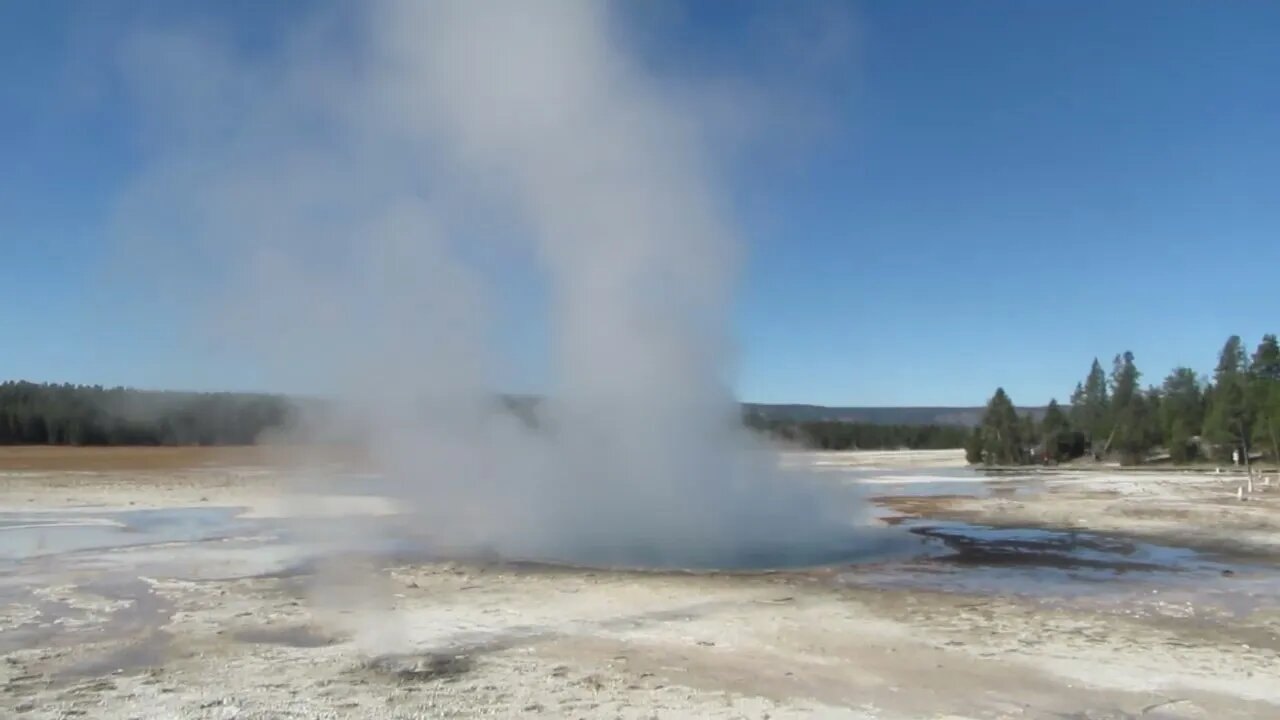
x=345, y=195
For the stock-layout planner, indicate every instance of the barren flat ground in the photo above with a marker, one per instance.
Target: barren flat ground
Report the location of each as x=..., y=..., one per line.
x=207, y=583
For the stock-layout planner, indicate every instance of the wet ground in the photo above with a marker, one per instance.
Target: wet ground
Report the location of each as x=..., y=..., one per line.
x=903, y=551
x=898, y=551
x=27, y=535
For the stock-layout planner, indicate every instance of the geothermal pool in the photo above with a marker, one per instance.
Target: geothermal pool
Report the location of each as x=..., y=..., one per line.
x=885, y=548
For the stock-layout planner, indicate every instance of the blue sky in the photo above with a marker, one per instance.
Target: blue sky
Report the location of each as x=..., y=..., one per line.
x=1000, y=192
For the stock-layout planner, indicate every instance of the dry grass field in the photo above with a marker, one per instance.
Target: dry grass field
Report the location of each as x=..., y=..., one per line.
x=45, y=458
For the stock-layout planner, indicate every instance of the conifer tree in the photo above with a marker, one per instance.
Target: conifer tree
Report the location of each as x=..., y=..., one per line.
x=1002, y=442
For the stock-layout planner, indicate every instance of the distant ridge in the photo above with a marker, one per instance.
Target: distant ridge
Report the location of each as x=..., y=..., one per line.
x=964, y=416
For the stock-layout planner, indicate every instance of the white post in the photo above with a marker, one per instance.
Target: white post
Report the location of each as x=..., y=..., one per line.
x=1240, y=492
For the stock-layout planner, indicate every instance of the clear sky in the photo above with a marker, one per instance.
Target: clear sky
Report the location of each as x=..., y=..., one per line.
x=998, y=192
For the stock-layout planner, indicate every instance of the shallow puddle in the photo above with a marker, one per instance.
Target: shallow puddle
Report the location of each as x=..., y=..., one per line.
x=970, y=544
x=37, y=534
x=1066, y=565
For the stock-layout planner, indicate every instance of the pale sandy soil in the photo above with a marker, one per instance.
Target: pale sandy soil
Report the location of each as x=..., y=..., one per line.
x=876, y=459
x=248, y=626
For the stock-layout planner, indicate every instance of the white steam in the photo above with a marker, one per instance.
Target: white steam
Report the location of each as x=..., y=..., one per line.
x=352, y=190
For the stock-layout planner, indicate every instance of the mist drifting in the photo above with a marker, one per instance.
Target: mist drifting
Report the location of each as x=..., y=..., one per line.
x=341, y=196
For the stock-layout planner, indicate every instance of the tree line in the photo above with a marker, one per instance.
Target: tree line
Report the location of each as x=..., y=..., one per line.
x=1235, y=413
x=48, y=414
x=843, y=435
x=63, y=414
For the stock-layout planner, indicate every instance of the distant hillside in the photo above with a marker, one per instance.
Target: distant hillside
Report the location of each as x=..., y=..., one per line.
x=966, y=416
